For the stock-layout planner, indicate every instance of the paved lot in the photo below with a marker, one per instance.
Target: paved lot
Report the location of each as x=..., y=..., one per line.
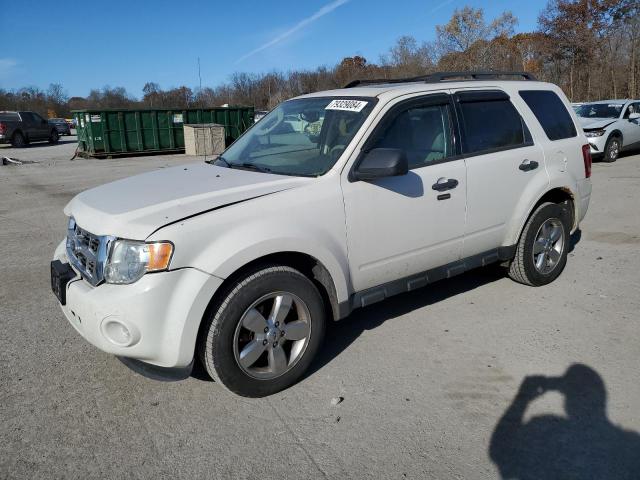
x=429, y=379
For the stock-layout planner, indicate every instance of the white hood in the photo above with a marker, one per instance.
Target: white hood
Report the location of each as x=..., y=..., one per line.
x=595, y=122
x=135, y=207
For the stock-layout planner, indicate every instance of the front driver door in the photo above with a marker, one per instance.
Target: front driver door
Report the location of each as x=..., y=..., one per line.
x=400, y=226
x=631, y=127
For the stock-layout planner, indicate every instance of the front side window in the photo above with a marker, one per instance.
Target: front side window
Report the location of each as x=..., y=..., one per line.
x=632, y=108
x=492, y=124
x=423, y=132
x=301, y=137
x=550, y=112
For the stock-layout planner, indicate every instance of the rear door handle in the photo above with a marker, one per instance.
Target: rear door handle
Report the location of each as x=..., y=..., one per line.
x=527, y=165
x=445, y=184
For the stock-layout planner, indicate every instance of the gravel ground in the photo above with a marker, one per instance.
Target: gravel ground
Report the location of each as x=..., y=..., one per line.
x=428, y=379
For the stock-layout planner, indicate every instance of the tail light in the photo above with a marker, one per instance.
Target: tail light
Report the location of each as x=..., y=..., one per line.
x=586, y=156
x=3, y=128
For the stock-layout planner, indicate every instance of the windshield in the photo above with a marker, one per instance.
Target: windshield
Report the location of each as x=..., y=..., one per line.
x=600, y=110
x=303, y=137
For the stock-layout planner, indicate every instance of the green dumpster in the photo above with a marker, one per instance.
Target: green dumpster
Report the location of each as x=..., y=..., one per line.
x=110, y=132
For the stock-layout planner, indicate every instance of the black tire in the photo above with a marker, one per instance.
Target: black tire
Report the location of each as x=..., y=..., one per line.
x=18, y=140
x=217, y=339
x=54, y=137
x=612, y=149
x=522, y=268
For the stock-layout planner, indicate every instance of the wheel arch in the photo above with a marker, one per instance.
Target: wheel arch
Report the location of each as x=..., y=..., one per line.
x=21, y=132
x=558, y=195
x=616, y=133
x=308, y=265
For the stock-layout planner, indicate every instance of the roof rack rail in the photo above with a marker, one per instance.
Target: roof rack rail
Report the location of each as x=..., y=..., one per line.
x=443, y=77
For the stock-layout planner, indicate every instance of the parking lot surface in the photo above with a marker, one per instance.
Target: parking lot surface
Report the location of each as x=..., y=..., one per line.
x=428, y=381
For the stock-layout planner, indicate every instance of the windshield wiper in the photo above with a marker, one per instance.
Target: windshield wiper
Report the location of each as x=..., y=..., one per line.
x=251, y=166
x=245, y=165
x=220, y=158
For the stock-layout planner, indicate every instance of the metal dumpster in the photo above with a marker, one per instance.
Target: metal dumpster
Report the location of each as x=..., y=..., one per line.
x=111, y=132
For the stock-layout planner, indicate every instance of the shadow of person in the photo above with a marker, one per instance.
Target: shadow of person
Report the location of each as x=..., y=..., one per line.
x=582, y=445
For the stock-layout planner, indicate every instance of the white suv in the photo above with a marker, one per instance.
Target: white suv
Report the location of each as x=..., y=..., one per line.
x=393, y=186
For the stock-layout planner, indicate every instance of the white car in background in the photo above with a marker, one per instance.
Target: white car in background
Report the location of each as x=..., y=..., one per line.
x=611, y=126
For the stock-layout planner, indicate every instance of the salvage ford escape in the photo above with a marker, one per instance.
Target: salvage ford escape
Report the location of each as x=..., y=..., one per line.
x=379, y=188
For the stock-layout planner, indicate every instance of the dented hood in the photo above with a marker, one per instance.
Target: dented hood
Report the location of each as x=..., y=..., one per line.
x=591, y=123
x=137, y=206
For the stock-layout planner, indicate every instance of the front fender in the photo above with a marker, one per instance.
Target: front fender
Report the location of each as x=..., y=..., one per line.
x=337, y=267
x=308, y=221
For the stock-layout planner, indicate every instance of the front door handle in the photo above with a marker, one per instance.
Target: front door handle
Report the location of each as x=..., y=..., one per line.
x=445, y=184
x=527, y=165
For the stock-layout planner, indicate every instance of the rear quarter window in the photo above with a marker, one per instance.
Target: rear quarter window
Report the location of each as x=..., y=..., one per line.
x=550, y=112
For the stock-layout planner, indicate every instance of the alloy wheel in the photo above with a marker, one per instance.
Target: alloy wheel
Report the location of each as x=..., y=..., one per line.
x=614, y=150
x=548, y=246
x=272, y=335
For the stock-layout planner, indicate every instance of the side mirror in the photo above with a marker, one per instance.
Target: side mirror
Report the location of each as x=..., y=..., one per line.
x=381, y=163
x=634, y=116
x=311, y=116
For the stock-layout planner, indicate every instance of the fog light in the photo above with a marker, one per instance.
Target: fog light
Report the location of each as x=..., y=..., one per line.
x=118, y=333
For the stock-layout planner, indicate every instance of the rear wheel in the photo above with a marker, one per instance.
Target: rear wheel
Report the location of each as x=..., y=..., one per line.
x=541, y=253
x=612, y=149
x=262, y=336
x=54, y=137
x=18, y=140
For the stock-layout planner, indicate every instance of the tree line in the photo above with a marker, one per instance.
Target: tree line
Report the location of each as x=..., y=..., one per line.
x=590, y=48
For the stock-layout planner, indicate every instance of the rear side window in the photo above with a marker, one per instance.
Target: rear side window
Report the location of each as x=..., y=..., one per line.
x=490, y=123
x=550, y=112
x=28, y=117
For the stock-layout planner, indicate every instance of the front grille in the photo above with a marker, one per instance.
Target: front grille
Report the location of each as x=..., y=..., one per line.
x=87, y=252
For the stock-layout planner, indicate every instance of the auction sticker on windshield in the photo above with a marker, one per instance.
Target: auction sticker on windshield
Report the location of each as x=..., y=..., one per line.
x=347, y=105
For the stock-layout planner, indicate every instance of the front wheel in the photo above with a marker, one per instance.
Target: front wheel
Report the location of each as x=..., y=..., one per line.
x=612, y=149
x=263, y=334
x=541, y=253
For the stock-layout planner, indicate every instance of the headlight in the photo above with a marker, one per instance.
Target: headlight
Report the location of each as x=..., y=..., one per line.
x=594, y=133
x=129, y=260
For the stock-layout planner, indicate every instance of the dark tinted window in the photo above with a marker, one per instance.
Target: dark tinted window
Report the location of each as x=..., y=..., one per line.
x=423, y=132
x=550, y=112
x=37, y=118
x=31, y=117
x=492, y=125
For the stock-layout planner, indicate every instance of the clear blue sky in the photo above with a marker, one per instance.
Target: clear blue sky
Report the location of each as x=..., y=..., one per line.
x=89, y=44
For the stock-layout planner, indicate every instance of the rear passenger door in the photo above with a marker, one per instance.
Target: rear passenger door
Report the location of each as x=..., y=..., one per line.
x=503, y=163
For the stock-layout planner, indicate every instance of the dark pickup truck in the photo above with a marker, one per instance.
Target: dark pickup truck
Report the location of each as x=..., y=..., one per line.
x=21, y=128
